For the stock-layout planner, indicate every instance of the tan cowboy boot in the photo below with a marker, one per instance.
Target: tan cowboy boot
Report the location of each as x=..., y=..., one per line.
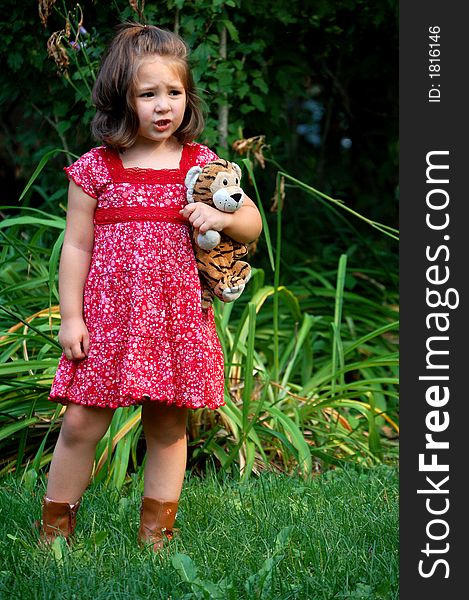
x=156, y=522
x=58, y=519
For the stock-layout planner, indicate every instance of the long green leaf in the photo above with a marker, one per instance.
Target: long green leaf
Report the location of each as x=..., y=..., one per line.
x=53, y=264
x=297, y=343
x=337, y=349
x=248, y=369
x=265, y=224
x=23, y=366
x=8, y=430
x=297, y=439
x=42, y=163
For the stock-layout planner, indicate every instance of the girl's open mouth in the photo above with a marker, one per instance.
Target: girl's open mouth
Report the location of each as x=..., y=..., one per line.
x=162, y=124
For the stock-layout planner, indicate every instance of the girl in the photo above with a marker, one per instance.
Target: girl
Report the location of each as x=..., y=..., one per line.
x=132, y=328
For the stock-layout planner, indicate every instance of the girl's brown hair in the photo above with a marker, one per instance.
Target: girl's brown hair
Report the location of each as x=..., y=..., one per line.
x=115, y=122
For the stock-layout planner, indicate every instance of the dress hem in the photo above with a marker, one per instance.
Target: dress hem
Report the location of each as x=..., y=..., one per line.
x=132, y=402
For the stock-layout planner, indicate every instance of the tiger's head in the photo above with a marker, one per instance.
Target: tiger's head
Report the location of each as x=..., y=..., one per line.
x=217, y=184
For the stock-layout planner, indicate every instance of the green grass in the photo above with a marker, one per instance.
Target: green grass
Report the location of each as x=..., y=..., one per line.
x=271, y=537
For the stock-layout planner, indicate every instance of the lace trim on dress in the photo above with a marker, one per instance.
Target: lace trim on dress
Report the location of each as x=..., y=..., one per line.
x=120, y=174
x=106, y=216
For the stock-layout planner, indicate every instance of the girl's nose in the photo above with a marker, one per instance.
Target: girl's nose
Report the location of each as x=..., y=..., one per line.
x=162, y=104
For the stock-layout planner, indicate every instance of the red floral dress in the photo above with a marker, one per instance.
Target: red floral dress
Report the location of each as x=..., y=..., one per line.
x=149, y=337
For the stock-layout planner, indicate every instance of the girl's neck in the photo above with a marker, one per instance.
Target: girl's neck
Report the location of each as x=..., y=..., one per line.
x=153, y=156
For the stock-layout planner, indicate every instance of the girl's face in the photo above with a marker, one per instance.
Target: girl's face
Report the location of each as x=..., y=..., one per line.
x=160, y=99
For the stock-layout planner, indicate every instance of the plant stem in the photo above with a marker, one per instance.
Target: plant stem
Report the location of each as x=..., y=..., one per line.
x=54, y=125
x=386, y=229
x=278, y=246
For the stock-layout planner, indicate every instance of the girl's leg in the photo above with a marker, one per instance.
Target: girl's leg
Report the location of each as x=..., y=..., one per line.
x=165, y=433
x=72, y=462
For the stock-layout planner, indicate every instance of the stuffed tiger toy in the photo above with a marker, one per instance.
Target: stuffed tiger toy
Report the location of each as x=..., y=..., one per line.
x=221, y=272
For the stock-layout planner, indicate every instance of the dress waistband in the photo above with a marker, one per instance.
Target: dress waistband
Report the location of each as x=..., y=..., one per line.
x=105, y=216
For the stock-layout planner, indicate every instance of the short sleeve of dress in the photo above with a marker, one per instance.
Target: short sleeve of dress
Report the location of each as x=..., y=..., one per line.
x=89, y=171
x=204, y=155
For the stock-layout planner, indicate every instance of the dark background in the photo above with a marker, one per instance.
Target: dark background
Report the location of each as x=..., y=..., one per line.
x=324, y=77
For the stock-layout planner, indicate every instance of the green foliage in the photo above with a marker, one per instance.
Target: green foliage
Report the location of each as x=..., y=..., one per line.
x=335, y=536
x=258, y=585
x=311, y=346
x=311, y=372
x=278, y=58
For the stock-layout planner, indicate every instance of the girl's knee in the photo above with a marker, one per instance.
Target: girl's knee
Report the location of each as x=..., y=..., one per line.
x=164, y=423
x=84, y=424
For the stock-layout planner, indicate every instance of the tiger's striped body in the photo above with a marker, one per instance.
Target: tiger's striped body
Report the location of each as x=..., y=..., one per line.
x=221, y=271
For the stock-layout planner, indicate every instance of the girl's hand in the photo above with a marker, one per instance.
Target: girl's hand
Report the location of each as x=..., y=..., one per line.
x=204, y=217
x=243, y=225
x=74, y=338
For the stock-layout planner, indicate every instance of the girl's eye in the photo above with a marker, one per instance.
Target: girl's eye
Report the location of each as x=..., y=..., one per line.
x=146, y=95
x=175, y=92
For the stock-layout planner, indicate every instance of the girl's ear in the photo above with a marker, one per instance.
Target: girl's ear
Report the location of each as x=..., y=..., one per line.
x=190, y=180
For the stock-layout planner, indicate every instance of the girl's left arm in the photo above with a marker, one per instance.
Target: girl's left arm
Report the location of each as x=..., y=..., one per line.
x=244, y=225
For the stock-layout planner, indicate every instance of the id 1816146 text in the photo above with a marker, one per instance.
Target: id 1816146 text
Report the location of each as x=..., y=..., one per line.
x=434, y=67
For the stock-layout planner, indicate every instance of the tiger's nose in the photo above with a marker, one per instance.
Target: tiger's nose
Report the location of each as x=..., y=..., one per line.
x=237, y=197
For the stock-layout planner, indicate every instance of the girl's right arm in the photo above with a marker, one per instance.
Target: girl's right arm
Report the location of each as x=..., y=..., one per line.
x=74, y=266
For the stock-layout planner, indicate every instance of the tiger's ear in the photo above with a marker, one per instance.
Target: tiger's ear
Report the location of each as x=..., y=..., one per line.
x=190, y=180
x=237, y=169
